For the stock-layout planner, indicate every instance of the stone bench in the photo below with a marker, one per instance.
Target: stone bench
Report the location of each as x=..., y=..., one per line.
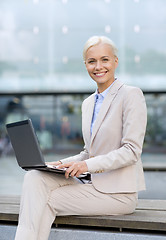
x=149, y=215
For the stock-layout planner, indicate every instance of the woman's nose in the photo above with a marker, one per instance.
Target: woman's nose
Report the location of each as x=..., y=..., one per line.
x=98, y=65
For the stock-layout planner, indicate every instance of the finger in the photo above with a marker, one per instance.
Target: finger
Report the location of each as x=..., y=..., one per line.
x=78, y=174
x=67, y=172
x=73, y=172
x=65, y=165
x=61, y=166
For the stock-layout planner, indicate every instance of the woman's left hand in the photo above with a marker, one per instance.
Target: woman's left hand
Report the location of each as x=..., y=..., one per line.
x=74, y=169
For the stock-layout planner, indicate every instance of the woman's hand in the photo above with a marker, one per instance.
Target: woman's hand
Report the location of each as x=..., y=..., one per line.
x=74, y=169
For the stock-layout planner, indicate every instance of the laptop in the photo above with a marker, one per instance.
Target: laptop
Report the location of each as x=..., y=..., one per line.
x=26, y=147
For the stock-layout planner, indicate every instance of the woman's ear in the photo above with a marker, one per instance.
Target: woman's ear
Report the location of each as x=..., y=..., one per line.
x=116, y=62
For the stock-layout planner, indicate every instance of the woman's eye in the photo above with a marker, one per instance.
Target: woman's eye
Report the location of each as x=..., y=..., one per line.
x=91, y=61
x=105, y=59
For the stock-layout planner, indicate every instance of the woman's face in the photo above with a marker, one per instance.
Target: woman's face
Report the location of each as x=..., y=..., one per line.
x=101, y=64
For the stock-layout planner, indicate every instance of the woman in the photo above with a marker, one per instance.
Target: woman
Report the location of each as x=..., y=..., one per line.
x=113, y=126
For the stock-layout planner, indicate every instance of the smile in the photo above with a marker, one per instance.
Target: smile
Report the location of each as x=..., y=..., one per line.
x=101, y=74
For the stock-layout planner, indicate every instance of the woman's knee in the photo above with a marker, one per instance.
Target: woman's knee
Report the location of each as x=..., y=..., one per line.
x=32, y=177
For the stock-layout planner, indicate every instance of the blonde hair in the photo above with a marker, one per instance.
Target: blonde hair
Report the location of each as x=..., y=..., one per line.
x=92, y=41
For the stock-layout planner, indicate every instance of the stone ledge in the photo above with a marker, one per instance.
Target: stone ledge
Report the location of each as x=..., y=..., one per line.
x=149, y=215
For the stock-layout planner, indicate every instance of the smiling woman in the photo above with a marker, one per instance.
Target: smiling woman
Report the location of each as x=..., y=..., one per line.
x=101, y=61
x=113, y=127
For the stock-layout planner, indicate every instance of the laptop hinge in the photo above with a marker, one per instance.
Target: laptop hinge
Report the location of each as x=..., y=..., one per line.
x=34, y=167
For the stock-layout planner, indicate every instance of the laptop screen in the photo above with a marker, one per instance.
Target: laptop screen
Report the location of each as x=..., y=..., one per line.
x=25, y=144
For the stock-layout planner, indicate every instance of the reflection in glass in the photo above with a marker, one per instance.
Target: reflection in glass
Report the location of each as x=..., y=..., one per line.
x=37, y=41
x=57, y=122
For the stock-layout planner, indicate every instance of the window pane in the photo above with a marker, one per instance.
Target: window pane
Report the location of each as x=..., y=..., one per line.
x=41, y=45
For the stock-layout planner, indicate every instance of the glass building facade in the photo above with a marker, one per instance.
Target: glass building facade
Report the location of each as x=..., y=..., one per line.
x=42, y=40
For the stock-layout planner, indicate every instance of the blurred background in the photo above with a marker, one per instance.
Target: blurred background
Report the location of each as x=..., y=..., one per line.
x=43, y=77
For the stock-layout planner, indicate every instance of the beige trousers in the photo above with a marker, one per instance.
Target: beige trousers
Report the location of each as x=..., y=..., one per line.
x=47, y=195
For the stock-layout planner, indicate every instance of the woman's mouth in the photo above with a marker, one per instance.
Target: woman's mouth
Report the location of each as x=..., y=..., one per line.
x=100, y=74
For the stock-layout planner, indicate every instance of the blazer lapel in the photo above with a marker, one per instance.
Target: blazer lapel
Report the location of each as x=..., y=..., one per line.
x=105, y=107
x=89, y=114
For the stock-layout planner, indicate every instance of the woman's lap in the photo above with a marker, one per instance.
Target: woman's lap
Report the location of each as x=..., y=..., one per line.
x=84, y=199
x=72, y=197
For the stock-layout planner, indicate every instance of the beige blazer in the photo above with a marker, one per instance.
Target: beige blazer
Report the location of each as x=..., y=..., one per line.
x=113, y=151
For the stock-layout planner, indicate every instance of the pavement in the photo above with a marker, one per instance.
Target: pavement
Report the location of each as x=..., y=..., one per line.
x=11, y=175
x=8, y=232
